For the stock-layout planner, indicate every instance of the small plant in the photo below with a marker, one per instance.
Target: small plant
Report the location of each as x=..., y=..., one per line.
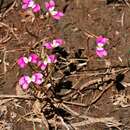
x=39, y=62
x=41, y=82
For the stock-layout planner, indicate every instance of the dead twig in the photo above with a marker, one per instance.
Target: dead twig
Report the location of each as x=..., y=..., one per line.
x=94, y=101
x=10, y=29
x=108, y=121
x=127, y=3
x=73, y=92
x=100, y=95
x=18, y=97
x=95, y=73
x=4, y=61
x=5, y=38
x=9, y=9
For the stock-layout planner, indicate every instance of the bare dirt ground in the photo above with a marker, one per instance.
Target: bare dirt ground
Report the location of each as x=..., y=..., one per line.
x=95, y=92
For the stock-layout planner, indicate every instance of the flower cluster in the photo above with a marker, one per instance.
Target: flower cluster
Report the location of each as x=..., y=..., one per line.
x=100, y=51
x=33, y=58
x=37, y=77
x=25, y=80
x=31, y=4
x=50, y=7
x=23, y=61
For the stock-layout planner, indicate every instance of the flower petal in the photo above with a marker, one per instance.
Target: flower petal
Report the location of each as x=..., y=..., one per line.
x=26, y=1
x=22, y=62
x=33, y=58
x=42, y=65
x=24, y=6
x=101, y=53
x=101, y=40
x=50, y=5
x=57, y=15
x=57, y=42
x=51, y=59
x=37, y=78
x=48, y=45
x=24, y=82
x=36, y=8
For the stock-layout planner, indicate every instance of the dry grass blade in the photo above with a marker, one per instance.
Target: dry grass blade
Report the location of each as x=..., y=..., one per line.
x=19, y=90
x=5, y=101
x=45, y=122
x=18, y=97
x=10, y=29
x=71, y=93
x=108, y=121
x=4, y=61
x=6, y=38
x=9, y=9
x=94, y=101
x=37, y=106
x=100, y=95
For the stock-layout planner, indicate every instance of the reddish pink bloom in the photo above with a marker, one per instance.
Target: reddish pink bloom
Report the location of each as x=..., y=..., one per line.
x=101, y=52
x=24, y=82
x=36, y=8
x=27, y=4
x=57, y=15
x=48, y=45
x=101, y=41
x=37, y=78
x=57, y=42
x=54, y=44
x=22, y=62
x=42, y=65
x=33, y=58
x=50, y=5
x=51, y=59
x=31, y=4
x=25, y=1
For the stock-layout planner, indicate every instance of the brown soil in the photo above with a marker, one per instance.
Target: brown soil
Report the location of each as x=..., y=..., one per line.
x=83, y=20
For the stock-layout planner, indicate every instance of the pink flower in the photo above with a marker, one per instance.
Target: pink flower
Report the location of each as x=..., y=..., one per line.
x=57, y=42
x=50, y=6
x=33, y=58
x=36, y=8
x=101, y=41
x=57, y=15
x=51, y=59
x=54, y=44
x=24, y=82
x=25, y=1
x=37, y=78
x=31, y=4
x=101, y=52
x=48, y=45
x=42, y=65
x=27, y=4
x=22, y=62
